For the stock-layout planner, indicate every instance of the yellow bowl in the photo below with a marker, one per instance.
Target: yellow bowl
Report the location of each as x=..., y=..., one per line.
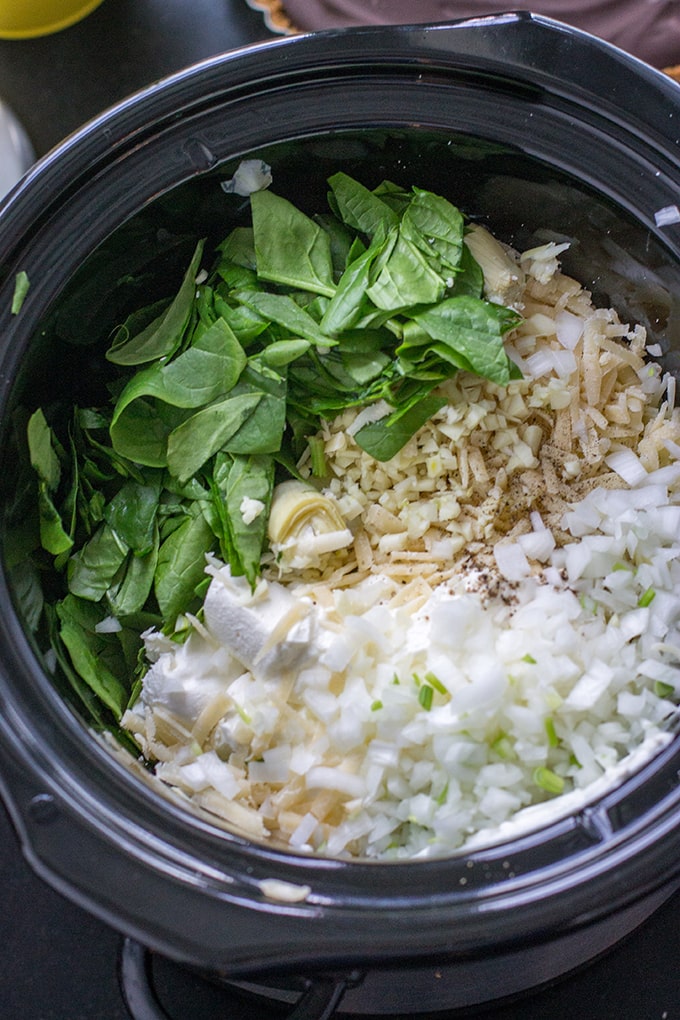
x=23, y=19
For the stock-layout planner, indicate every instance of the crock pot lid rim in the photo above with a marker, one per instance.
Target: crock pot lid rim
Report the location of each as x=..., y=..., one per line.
x=310, y=52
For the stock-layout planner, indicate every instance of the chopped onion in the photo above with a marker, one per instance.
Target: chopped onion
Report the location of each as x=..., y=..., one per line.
x=628, y=465
x=301, y=835
x=541, y=363
x=335, y=779
x=109, y=625
x=564, y=363
x=511, y=561
x=537, y=545
x=569, y=329
x=284, y=892
x=251, y=175
x=668, y=215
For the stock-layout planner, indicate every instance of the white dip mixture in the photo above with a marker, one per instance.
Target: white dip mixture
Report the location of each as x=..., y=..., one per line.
x=496, y=641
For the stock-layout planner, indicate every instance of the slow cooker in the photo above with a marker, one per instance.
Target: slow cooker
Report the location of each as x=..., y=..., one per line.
x=531, y=125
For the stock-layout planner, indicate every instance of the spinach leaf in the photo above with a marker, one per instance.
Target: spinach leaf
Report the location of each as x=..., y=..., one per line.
x=286, y=312
x=435, y=226
x=131, y=514
x=163, y=335
x=237, y=480
x=73, y=498
x=91, y=652
x=393, y=195
x=76, y=684
x=235, y=276
x=419, y=357
x=244, y=322
x=364, y=367
x=345, y=307
x=341, y=241
x=475, y=329
x=361, y=208
x=53, y=536
x=280, y=353
x=203, y=372
x=181, y=565
x=56, y=535
x=405, y=278
x=238, y=248
x=469, y=279
x=43, y=456
x=193, y=442
x=262, y=431
x=140, y=431
x=210, y=367
x=383, y=439
x=135, y=586
x=92, y=568
x=290, y=248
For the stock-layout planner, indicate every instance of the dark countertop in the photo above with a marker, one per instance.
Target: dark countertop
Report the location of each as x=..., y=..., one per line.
x=56, y=83
x=57, y=962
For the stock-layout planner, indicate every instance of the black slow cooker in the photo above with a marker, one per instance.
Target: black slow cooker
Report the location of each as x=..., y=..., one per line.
x=526, y=124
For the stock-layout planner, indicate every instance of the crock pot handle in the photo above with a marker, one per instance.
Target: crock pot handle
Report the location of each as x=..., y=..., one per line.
x=319, y=1001
x=322, y=998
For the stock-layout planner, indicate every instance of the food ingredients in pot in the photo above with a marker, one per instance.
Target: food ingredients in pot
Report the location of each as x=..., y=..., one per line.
x=404, y=559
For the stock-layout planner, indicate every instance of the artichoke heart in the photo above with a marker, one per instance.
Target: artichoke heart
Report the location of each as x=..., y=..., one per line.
x=304, y=525
x=504, y=278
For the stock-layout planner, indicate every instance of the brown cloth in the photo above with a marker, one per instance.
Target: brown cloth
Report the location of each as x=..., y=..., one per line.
x=649, y=29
